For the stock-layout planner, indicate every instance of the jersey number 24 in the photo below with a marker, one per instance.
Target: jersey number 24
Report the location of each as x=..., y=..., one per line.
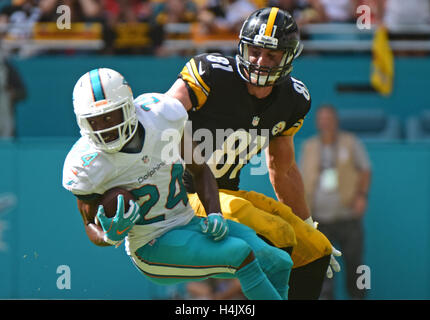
x=150, y=191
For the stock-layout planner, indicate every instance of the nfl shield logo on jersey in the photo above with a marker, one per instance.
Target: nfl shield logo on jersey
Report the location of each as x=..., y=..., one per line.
x=255, y=121
x=145, y=159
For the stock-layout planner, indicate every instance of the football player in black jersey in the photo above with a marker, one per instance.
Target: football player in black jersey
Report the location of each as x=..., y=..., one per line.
x=239, y=106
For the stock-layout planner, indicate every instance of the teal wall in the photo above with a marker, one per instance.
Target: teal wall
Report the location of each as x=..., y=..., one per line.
x=322, y=75
x=50, y=82
x=44, y=230
x=397, y=222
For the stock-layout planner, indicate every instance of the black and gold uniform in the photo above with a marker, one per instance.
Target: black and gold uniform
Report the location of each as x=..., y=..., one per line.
x=245, y=123
x=231, y=126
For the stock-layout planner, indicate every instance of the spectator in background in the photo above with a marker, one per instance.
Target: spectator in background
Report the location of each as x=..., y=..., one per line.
x=17, y=19
x=225, y=15
x=404, y=16
x=175, y=11
x=376, y=7
x=215, y=289
x=336, y=176
x=340, y=10
x=397, y=13
x=81, y=10
x=169, y=15
x=117, y=11
x=303, y=11
x=84, y=14
x=131, y=28
x=12, y=90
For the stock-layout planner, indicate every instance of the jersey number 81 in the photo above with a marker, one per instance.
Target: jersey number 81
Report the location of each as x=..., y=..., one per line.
x=219, y=62
x=301, y=88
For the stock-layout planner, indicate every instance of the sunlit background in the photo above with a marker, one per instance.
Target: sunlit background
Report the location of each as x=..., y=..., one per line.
x=370, y=59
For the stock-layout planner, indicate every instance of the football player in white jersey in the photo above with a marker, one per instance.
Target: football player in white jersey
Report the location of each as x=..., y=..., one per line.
x=134, y=144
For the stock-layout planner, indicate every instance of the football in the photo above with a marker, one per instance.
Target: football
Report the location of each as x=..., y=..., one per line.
x=109, y=200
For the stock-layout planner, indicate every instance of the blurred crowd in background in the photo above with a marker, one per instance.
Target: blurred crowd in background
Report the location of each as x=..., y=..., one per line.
x=186, y=27
x=169, y=27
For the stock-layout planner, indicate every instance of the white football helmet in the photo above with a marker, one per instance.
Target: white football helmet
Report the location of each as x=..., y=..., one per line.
x=98, y=92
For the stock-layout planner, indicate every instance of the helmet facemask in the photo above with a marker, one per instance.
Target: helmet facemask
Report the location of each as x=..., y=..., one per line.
x=105, y=93
x=122, y=132
x=262, y=75
x=284, y=37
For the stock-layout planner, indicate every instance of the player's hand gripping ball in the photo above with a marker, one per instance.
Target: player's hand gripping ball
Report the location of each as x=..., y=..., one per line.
x=117, y=213
x=109, y=200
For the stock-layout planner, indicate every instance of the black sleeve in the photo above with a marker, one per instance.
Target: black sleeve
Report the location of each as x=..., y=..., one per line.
x=200, y=74
x=301, y=100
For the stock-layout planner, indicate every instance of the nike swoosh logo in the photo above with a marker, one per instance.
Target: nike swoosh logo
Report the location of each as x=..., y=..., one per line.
x=120, y=232
x=200, y=69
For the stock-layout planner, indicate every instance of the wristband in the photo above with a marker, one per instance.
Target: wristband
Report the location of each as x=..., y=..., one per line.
x=216, y=213
x=111, y=242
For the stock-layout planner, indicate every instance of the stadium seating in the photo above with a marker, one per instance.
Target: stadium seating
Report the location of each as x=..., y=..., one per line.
x=370, y=124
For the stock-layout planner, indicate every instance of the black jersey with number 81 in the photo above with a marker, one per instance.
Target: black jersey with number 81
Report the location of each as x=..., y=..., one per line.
x=229, y=124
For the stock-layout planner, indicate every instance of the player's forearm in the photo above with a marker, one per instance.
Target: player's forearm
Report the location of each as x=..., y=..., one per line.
x=207, y=189
x=289, y=189
x=96, y=235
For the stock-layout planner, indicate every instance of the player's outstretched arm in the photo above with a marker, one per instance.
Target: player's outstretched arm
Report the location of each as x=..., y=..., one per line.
x=288, y=185
x=207, y=190
x=203, y=178
x=285, y=175
x=179, y=91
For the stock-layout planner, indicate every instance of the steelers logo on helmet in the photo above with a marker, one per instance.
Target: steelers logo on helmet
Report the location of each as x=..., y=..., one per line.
x=268, y=28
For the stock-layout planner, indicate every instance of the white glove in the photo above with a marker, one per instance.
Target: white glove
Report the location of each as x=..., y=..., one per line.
x=334, y=265
x=311, y=222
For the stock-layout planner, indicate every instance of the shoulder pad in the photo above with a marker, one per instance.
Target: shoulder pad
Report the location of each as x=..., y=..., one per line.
x=171, y=109
x=162, y=105
x=85, y=169
x=201, y=72
x=301, y=102
x=300, y=90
